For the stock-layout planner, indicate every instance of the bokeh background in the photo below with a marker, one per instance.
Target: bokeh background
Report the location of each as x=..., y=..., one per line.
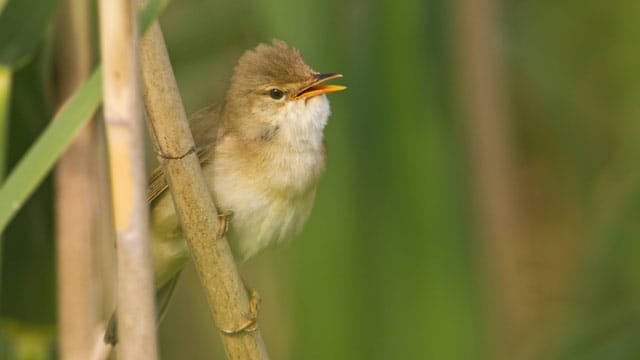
x=482, y=196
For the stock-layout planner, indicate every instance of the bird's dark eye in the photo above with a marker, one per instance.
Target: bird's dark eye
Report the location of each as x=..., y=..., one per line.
x=276, y=94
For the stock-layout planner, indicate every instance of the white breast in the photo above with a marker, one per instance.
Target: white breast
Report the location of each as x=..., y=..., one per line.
x=271, y=206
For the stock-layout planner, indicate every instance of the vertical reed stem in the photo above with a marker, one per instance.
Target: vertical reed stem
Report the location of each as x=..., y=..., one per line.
x=122, y=111
x=83, y=221
x=482, y=82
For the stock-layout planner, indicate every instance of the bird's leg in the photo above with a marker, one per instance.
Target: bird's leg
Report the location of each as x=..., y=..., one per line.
x=251, y=317
x=225, y=218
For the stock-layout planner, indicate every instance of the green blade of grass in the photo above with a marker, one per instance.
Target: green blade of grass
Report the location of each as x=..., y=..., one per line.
x=37, y=162
x=3, y=3
x=150, y=13
x=43, y=154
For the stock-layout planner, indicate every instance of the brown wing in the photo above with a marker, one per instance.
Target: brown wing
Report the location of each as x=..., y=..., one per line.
x=204, y=125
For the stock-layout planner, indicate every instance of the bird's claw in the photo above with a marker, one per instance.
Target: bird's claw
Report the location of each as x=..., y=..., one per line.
x=225, y=218
x=251, y=317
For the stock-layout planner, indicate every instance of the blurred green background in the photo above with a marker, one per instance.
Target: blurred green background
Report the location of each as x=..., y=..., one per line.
x=482, y=196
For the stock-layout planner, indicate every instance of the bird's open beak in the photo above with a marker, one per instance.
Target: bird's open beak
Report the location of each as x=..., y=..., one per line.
x=313, y=89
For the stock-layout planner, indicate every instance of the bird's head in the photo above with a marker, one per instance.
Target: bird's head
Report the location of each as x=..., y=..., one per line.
x=273, y=89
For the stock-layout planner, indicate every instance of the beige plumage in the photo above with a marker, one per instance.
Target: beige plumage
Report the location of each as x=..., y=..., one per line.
x=262, y=153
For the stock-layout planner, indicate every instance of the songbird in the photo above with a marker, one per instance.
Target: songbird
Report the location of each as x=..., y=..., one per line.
x=262, y=153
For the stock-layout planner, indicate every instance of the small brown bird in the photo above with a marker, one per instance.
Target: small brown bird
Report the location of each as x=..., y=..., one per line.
x=262, y=153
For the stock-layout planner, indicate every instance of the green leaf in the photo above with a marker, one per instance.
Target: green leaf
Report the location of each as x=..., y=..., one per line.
x=150, y=12
x=3, y=3
x=22, y=24
x=40, y=158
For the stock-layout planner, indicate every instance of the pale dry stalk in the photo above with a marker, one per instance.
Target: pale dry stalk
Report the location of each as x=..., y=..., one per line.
x=123, y=115
x=81, y=196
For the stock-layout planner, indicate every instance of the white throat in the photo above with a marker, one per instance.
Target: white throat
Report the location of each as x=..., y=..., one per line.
x=302, y=123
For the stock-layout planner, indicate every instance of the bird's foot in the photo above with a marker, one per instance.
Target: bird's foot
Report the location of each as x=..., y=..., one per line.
x=250, y=323
x=225, y=218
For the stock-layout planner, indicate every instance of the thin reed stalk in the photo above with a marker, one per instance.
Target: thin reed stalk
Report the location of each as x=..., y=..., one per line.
x=485, y=108
x=82, y=210
x=123, y=115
